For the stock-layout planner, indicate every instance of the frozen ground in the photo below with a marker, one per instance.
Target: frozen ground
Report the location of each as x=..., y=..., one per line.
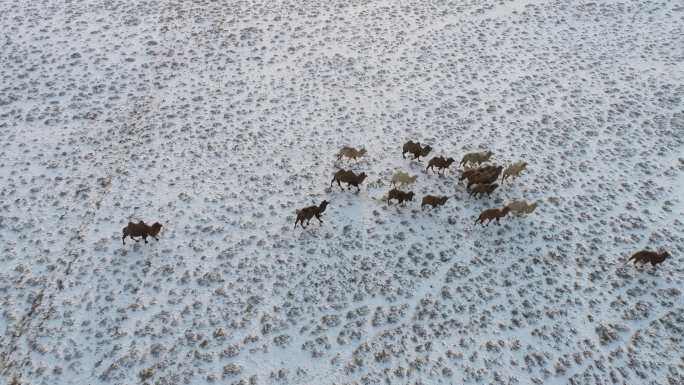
x=219, y=119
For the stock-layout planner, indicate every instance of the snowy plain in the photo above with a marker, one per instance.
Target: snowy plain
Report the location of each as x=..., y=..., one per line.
x=220, y=118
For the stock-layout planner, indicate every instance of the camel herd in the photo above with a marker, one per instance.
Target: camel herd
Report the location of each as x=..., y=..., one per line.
x=480, y=179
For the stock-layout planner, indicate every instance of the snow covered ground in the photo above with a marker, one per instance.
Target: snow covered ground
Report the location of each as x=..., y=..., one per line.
x=220, y=118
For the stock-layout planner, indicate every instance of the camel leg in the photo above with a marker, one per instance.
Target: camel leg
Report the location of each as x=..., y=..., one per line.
x=319, y=218
x=123, y=239
x=145, y=238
